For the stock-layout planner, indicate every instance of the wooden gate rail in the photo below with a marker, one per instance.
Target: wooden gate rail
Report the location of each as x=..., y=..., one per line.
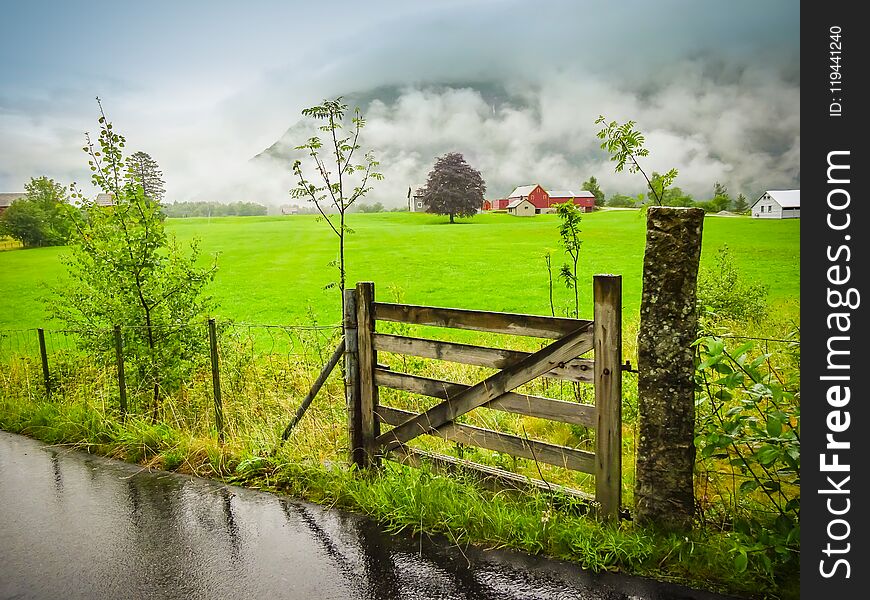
x=558, y=360
x=512, y=402
x=551, y=454
x=578, y=369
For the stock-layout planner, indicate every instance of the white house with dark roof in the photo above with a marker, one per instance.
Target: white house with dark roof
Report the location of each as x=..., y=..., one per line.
x=778, y=204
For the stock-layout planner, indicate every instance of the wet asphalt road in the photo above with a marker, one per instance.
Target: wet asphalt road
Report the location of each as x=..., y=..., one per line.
x=78, y=526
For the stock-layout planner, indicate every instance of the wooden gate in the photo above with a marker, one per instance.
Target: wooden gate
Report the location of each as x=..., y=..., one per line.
x=558, y=360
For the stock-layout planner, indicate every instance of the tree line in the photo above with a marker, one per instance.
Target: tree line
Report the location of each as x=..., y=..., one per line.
x=674, y=196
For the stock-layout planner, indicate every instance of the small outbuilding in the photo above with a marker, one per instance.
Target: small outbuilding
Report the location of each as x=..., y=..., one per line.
x=521, y=208
x=778, y=204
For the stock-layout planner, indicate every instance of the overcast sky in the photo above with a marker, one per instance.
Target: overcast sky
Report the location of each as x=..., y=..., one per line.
x=203, y=86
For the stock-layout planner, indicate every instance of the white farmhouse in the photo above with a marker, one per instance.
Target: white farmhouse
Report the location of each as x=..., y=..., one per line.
x=778, y=204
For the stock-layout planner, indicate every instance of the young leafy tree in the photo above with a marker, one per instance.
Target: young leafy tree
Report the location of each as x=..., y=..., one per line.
x=148, y=174
x=569, y=232
x=342, y=181
x=621, y=200
x=721, y=200
x=624, y=143
x=124, y=269
x=453, y=187
x=592, y=186
x=40, y=218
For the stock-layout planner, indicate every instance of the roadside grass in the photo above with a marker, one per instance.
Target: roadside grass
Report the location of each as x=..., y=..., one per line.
x=402, y=498
x=312, y=465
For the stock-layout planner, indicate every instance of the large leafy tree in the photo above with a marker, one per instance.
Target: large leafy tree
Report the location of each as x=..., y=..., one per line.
x=342, y=181
x=148, y=174
x=453, y=187
x=125, y=269
x=39, y=218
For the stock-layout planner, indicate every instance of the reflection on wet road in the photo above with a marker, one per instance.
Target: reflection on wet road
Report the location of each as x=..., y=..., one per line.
x=78, y=526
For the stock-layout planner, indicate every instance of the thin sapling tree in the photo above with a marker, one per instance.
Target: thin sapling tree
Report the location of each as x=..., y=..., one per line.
x=624, y=143
x=342, y=181
x=569, y=232
x=124, y=269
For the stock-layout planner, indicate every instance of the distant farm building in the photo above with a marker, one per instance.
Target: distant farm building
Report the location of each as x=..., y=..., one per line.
x=415, y=203
x=522, y=208
x=542, y=200
x=6, y=199
x=105, y=200
x=778, y=204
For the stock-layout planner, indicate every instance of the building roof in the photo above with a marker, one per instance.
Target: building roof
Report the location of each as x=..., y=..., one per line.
x=571, y=194
x=523, y=190
x=785, y=198
x=517, y=202
x=6, y=199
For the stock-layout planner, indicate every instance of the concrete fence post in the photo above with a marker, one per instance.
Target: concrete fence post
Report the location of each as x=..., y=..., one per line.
x=664, y=492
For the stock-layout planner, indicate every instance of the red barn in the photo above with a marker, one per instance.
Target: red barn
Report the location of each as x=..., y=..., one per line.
x=534, y=194
x=500, y=204
x=585, y=200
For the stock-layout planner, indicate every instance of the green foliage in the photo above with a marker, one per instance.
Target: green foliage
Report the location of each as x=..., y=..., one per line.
x=723, y=293
x=123, y=269
x=213, y=209
x=147, y=173
x=569, y=235
x=591, y=185
x=675, y=196
x=748, y=441
x=624, y=143
x=377, y=207
x=740, y=204
x=334, y=191
x=40, y=218
x=453, y=187
x=720, y=201
x=621, y=200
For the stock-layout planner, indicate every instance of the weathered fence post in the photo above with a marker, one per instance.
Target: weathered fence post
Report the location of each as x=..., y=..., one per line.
x=119, y=362
x=216, y=380
x=43, y=353
x=664, y=493
x=370, y=426
x=351, y=380
x=607, y=327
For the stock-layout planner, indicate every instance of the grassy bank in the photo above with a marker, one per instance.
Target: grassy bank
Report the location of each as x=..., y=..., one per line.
x=262, y=390
x=402, y=498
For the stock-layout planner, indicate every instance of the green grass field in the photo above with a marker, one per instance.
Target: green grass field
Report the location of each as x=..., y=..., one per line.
x=272, y=270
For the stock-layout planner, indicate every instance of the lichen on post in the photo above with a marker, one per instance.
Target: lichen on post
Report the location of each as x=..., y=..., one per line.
x=664, y=491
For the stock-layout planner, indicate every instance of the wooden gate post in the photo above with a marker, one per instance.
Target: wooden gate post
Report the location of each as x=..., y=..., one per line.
x=607, y=296
x=369, y=425
x=664, y=493
x=355, y=447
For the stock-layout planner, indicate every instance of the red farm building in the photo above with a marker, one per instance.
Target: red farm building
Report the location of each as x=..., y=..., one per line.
x=543, y=201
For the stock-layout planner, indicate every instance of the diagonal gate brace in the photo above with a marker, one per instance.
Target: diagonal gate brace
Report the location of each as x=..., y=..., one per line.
x=535, y=365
